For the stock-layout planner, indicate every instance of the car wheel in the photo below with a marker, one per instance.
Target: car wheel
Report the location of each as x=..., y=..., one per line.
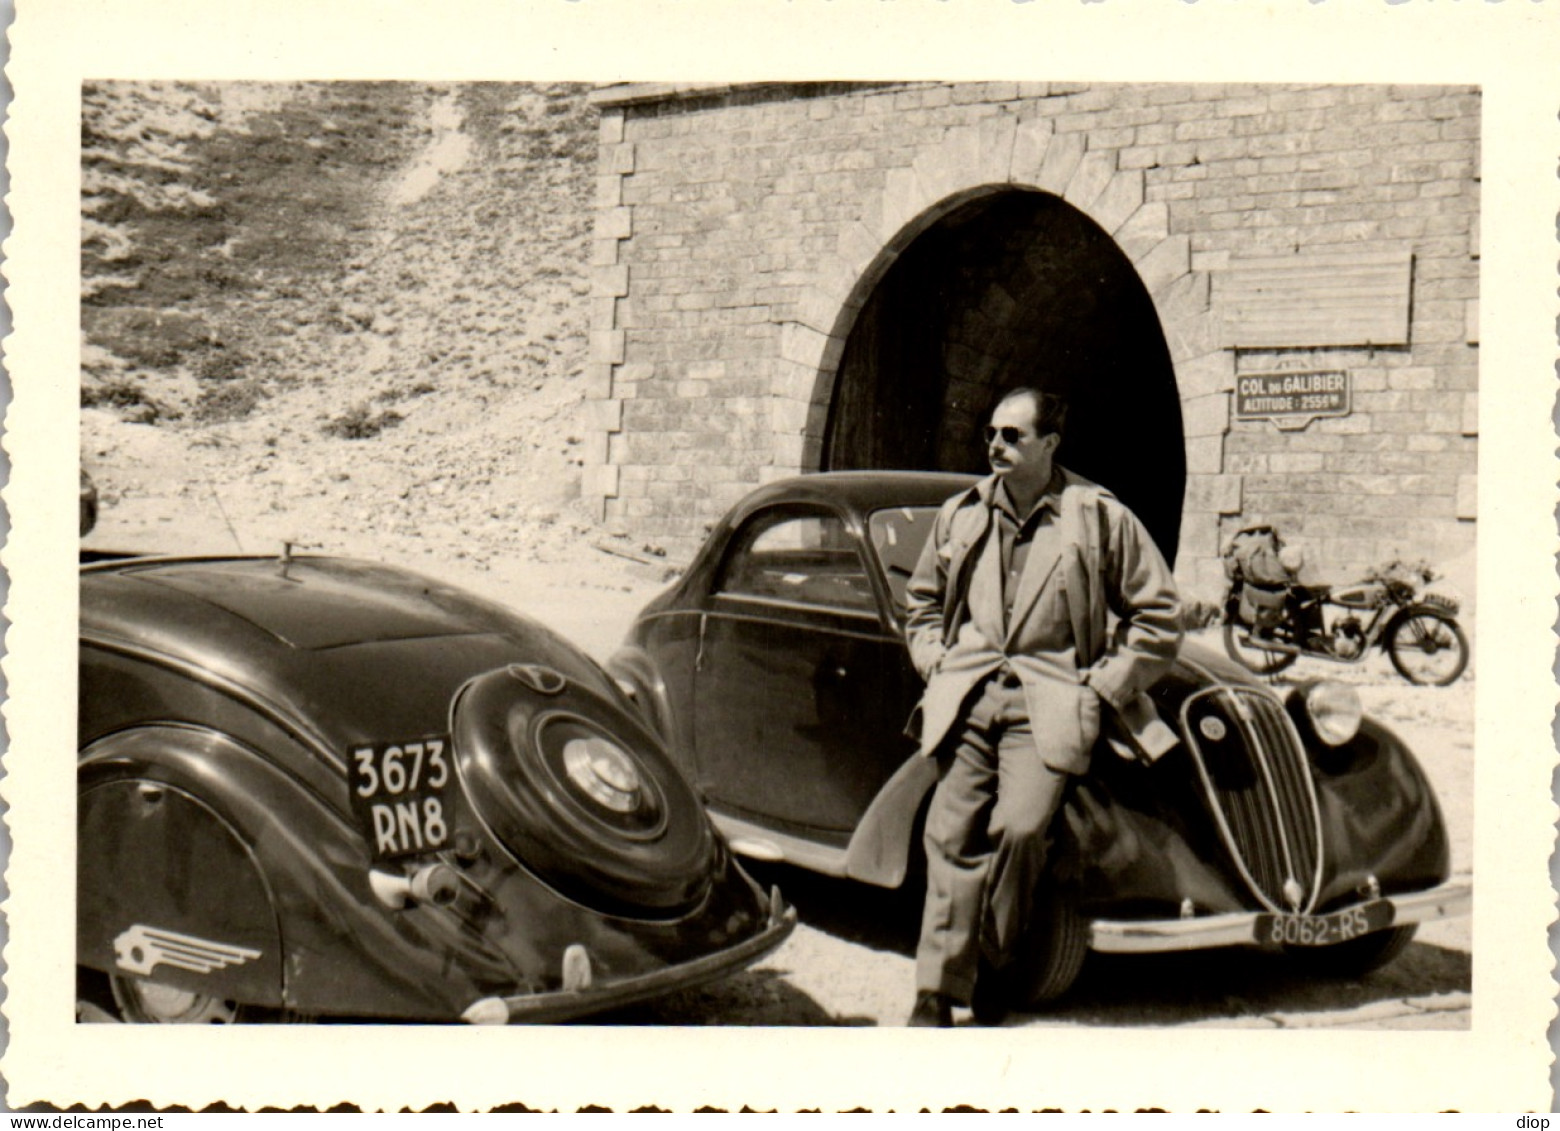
x=1357, y=956
x=992, y=998
x=1057, y=944
x=142, y=1001
x=89, y=503
x=1244, y=649
x=1427, y=647
x=1047, y=963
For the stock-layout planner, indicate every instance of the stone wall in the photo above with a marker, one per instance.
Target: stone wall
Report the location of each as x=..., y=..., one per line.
x=740, y=230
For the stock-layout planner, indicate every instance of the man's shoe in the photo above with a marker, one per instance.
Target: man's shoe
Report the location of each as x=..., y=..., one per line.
x=932, y=1011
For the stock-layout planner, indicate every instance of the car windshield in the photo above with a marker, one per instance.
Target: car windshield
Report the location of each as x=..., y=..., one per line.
x=897, y=535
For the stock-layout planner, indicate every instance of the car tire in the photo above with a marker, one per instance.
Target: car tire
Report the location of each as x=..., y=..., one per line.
x=89, y=503
x=1356, y=957
x=142, y=1001
x=1052, y=953
x=992, y=998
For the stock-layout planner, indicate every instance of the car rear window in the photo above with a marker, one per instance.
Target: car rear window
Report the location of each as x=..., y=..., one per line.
x=798, y=558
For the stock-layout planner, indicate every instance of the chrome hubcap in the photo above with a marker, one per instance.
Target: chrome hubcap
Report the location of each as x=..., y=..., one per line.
x=158, y=1004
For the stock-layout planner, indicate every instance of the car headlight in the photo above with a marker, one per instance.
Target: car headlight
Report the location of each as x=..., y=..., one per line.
x=1334, y=710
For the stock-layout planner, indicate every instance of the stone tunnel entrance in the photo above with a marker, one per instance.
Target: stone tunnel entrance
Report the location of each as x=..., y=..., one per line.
x=1013, y=288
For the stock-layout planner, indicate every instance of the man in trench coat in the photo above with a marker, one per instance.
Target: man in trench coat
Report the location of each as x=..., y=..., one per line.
x=1008, y=626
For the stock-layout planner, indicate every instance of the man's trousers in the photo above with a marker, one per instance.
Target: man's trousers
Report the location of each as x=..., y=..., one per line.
x=985, y=839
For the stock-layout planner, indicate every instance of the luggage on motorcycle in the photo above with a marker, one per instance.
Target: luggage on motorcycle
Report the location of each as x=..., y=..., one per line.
x=1255, y=556
x=1261, y=607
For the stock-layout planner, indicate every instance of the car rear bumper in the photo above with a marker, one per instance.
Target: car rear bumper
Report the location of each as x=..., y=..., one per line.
x=1239, y=928
x=559, y=1005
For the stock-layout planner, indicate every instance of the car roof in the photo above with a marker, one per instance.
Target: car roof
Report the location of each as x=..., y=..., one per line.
x=352, y=646
x=861, y=491
x=303, y=603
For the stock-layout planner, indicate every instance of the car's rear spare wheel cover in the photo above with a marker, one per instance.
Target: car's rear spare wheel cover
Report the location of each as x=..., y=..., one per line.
x=580, y=793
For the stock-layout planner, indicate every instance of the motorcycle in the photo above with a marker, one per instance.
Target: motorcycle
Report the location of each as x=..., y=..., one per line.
x=1271, y=619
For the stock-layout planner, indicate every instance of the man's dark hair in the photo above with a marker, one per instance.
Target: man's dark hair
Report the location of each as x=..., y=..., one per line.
x=1050, y=409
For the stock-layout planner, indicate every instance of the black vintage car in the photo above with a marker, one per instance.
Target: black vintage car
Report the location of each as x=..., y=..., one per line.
x=320, y=788
x=777, y=673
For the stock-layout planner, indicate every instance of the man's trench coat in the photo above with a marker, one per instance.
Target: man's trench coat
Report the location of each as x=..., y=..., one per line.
x=1108, y=565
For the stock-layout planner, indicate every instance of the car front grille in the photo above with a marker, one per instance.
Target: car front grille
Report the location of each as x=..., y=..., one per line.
x=1257, y=780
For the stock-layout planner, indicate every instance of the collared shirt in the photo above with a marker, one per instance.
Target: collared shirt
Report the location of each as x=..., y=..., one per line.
x=996, y=580
x=1035, y=531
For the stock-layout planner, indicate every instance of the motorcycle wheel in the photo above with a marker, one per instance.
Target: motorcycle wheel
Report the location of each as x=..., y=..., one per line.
x=1251, y=655
x=1427, y=647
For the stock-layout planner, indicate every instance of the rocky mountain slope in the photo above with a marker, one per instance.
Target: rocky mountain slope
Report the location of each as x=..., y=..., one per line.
x=354, y=314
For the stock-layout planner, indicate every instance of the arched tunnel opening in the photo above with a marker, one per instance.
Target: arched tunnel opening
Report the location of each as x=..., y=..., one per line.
x=1014, y=288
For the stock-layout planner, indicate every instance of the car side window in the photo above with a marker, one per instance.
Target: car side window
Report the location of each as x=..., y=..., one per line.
x=797, y=558
x=897, y=535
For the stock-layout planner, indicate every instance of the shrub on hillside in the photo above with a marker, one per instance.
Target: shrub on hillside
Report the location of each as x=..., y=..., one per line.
x=148, y=337
x=126, y=396
x=419, y=389
x=232, y=400
x=221, y=365
x=116, y=392
x=358, y=423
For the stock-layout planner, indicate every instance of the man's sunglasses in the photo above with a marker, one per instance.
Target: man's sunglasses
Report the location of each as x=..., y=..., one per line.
x=1010, y=436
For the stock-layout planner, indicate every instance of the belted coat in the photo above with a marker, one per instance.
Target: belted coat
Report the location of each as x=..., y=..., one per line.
x=1107, y=565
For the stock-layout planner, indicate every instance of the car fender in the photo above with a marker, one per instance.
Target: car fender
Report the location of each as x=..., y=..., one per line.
x=879, y=850
x=638, y=678
x=336, y=946
x=168, y=889
x=1383, y=824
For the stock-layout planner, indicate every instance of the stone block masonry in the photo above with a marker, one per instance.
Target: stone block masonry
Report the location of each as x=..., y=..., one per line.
x=742, y=229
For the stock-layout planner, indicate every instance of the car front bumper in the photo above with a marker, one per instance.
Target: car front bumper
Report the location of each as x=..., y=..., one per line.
x=1239, y=928
x=560, y=1005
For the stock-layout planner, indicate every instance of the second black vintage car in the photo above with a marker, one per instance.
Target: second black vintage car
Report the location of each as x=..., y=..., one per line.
x=319, y=788
x=777, y=673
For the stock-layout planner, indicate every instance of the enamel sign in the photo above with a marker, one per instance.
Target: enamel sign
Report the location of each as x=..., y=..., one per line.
x=1292, y=400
